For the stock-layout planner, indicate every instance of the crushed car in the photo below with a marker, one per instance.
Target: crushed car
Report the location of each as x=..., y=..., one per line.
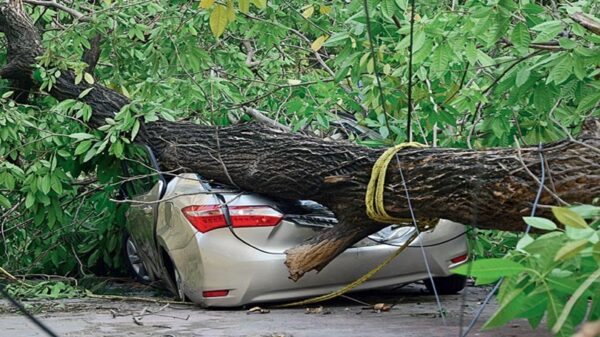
x=221, y=247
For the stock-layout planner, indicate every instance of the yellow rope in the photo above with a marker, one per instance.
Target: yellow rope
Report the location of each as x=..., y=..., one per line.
x=354, y=284
x=375, y=211
x=376, y=186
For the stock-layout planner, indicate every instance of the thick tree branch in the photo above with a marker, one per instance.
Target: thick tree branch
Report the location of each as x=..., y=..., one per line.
x=495, y=184
x=23, y=48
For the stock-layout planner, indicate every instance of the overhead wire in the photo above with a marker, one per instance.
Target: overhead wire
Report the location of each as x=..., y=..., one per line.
x=408, y=135
x=427, y=267
x=410, y=73
x=527, y=230
x=26, y=312
x=375, y=67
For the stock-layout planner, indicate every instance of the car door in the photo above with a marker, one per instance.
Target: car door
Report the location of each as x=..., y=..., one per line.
x=145, y=186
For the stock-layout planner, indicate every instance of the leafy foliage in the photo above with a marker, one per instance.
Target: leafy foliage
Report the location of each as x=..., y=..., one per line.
x=44, y=290
x=487, y=73
x=553, y=274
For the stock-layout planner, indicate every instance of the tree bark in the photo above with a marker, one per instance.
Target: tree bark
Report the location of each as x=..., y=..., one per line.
x=491, y=188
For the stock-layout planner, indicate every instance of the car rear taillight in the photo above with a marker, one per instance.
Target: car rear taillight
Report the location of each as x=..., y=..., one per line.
x=215, y=293
x=208, y=217
x=459, y=259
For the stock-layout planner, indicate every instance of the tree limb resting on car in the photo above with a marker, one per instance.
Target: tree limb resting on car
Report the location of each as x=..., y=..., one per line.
x=491, y=188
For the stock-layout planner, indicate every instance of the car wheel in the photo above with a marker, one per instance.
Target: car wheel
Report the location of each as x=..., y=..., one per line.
x=133, y=260
x=179, y=284
x=447, y=285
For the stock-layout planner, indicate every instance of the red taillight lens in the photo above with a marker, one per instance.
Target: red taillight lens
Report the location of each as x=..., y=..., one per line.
x=215, y=293
x=208, y=217
x=461, y=258
x=205, y=218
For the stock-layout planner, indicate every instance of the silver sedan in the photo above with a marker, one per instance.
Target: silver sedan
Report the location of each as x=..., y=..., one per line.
x=220, y=247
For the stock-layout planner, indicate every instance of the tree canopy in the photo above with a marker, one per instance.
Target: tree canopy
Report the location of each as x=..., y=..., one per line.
x=485, y=74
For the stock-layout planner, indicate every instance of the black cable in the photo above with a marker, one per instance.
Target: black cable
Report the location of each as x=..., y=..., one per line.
x=541, y=188
x=27, y=314
x=416, y=226
x=227, y=215
x=410, y=72
x=373, y=56
x=533, y=210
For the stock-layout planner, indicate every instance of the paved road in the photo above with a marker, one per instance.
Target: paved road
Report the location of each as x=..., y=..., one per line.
x=414, y=314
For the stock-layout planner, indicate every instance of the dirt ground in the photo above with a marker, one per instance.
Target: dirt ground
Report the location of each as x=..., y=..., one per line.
x=413, y=313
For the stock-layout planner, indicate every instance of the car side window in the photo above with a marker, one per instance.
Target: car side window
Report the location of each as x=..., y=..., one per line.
x=140, y=174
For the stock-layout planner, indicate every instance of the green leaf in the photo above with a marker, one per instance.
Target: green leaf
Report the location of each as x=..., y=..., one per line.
x=56, y=184
x=88, y=78
x=540, y=223
x=336, y=39
x=484, y=59
x=388, y=8
x=575, y=234
x=81, y=136
x=45, y=184
x=534, y=308
x=567, y=43
x=166, y=115
x=579, y=67
x=89, y=155
x=522, y=76
x=117, y=148
x=85, y=92
x=570, y=249
x=563, y=285
x=569, y=218
x=440, y=58
x=29, y=200
x=548, y=30
x=596, y=252
x=218, y=20
x=587, y=211
x=83, y=147
x=135, y=129
x=588, y=102
x=520, y=36
x=561, y=71
x=524, y=242
x=4, y=202
x=489, y=268
x=471, y=53
x=508, y=310
x=560, y=321
x=403, y=4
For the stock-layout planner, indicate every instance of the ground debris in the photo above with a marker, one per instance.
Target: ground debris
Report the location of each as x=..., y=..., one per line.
x=317, y=310
x=257, y=310
x=381, y=307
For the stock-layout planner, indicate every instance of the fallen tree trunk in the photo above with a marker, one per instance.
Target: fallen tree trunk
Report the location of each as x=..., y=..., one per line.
x=490, y=188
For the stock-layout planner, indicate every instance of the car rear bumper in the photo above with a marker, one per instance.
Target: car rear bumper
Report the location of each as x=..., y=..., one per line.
x=222, y=262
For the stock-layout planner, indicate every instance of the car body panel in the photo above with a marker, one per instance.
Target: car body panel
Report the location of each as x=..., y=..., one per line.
x=141, y=220
x=264, y=277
